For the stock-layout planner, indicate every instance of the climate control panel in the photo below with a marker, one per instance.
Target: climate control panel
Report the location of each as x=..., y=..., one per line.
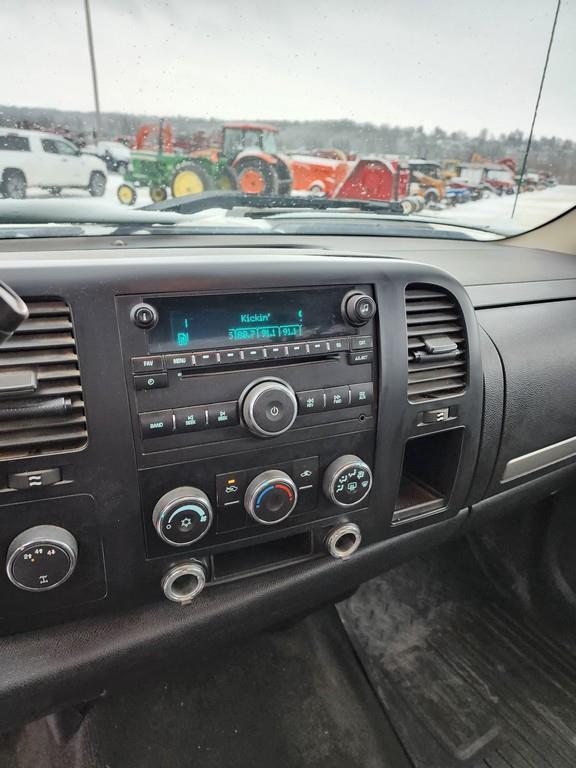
x=248, y=500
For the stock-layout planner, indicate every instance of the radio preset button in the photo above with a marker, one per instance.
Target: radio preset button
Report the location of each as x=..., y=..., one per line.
x=319, y=347
x=337, y=397
x=230, y=356
x=149, y=364
x=297, y=350
x=254, y=353
x=361, y=342
x=276, y=352
x=204, y=359
x=152, y=381
x=222, y=414
x=361, y=394
x=156, y=424
x=310, y=401
x=179, y=361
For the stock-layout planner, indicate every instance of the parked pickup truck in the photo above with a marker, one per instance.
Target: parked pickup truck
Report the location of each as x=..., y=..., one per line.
x=46, y=160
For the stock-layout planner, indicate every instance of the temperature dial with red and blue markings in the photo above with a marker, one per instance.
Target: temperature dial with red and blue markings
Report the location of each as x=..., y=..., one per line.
x=271, y=497
x=182, y=516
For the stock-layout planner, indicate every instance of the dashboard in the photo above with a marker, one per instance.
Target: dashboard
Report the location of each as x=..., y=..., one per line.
x=197, y=441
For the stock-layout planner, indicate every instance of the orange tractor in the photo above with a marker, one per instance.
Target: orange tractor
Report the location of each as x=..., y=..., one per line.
x=252, y=151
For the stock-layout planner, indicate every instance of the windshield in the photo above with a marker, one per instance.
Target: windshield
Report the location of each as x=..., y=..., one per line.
x=449, y=114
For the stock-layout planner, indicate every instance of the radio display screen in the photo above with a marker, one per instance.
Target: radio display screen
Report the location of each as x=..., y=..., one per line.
x=236, y=320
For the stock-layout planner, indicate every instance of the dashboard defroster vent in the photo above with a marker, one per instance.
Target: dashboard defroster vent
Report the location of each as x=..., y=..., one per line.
x=41, y=402
x=437, y=359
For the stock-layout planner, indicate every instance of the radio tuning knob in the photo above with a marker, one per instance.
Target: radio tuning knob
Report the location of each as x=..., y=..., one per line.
x=271, y=497
x=269, y=408
x=358, y=308
x=182, y=516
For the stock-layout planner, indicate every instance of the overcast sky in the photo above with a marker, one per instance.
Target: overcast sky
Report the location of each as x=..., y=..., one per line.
x=460, y=64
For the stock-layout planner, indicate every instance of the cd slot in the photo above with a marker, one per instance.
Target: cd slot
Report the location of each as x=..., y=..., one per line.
x=247, y=365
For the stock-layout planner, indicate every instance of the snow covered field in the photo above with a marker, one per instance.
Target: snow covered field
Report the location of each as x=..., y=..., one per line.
x=532, y=209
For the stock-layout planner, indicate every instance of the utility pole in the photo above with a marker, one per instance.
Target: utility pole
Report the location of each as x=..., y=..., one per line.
x=97, y=132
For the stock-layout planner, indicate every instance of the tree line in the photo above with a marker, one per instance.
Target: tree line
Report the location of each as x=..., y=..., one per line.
x=552, y=154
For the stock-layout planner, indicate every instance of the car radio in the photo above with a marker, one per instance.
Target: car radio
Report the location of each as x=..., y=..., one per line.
x=252, y=412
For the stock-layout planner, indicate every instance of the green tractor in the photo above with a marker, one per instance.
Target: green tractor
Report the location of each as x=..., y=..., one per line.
x=242, y=156
x=162, y=169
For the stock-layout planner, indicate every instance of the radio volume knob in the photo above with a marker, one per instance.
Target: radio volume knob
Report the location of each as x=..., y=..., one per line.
x=271, y=497
x=269, y=408
x=182, y=516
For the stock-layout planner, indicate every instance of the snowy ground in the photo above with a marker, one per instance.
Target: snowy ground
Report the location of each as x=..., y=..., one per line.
x=114, y=181
x=532, y=209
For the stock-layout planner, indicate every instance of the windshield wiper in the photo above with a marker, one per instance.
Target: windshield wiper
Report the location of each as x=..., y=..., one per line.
x=261, y=203
x=278, y=210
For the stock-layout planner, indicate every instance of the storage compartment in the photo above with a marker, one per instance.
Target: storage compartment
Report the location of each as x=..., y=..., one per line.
x=428, y=474
x=262, y=556
x=537, y=346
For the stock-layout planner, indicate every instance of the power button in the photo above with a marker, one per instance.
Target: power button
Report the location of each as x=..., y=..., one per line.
x=269, y=408
x=144, y=316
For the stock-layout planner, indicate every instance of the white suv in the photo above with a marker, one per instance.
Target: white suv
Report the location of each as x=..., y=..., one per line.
x=39, y=159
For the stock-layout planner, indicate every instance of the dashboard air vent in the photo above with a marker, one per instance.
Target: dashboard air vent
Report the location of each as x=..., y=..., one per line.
x=45, y=410
x=436, y=344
